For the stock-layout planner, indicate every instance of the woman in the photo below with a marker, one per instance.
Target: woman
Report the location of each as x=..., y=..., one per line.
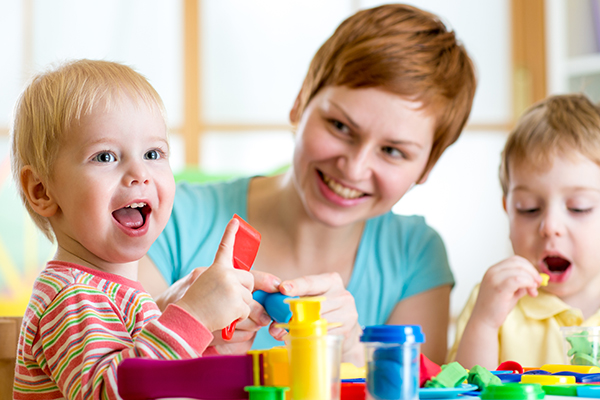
x=383, y=98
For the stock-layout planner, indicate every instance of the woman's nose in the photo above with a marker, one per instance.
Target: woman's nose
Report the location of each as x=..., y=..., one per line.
x=357, y=164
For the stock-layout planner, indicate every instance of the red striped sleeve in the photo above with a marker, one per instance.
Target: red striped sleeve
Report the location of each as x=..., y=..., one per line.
x=80, y=325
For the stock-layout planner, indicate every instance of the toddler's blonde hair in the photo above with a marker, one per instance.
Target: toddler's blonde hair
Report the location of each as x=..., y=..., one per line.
x=557, y=125
x=53, y=100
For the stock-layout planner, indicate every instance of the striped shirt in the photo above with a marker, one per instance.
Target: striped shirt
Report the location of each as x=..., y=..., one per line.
x=80, y=323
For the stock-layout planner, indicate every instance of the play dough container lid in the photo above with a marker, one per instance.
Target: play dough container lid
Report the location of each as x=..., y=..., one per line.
x=393, y=334
x=509, y=391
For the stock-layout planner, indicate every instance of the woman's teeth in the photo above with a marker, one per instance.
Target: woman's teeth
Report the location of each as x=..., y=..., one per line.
x=340, y=190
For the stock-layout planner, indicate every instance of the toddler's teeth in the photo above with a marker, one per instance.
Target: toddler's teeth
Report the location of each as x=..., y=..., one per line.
x=545, y=278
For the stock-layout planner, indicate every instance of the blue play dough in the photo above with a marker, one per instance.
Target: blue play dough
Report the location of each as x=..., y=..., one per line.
x=393, y=366
x=274, y=305
x=387, y=377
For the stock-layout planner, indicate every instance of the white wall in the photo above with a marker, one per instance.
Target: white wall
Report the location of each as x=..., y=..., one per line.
x=255, y=54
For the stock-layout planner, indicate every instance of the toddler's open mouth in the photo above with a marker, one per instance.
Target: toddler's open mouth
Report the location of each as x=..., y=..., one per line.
x=132, y=216
x=556, y=264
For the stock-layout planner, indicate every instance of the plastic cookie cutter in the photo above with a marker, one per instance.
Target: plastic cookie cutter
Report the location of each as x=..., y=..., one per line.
x=245, y=248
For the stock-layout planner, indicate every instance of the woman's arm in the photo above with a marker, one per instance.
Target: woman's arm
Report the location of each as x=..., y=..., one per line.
x=429, y=309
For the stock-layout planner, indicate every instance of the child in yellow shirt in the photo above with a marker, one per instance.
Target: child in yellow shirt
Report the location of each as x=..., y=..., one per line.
x=550, y=176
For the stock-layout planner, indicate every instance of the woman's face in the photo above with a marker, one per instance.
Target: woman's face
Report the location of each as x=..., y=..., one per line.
x=357, y=152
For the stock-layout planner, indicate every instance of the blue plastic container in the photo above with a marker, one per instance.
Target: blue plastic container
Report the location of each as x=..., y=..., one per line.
x=392, y=356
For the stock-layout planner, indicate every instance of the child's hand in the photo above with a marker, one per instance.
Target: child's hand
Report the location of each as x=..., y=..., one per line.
x=245, y=330
x=222, y=294
x=502, y=286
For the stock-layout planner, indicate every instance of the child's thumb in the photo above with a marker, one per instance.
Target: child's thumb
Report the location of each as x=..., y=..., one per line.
x=225, y=251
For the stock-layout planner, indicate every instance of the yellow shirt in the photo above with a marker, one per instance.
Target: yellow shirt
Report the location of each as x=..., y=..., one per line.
x=531, y=333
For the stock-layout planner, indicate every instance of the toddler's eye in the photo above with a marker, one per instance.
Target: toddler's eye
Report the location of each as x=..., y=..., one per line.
x=152, y=155
x=580, y=210
x=104, y=157
x=527, y=211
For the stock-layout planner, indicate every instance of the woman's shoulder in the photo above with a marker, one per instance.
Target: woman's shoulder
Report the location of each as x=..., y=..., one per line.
x=408, y=236
x=187, y=191
x=392, y=225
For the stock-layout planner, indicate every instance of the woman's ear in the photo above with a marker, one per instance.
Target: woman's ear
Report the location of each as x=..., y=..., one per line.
x=424, y=177
x=294, y=117
x=36, y=192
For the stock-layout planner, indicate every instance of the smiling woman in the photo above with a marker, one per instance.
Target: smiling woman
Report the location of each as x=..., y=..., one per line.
x=368, y=125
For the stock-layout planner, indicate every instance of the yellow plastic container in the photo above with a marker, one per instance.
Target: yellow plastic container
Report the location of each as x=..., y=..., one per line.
x=314, y=356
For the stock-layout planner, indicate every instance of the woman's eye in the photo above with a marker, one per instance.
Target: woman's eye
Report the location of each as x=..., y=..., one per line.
x=152, y=155
x=339, y=126
x=104, y=157
x=393, y=152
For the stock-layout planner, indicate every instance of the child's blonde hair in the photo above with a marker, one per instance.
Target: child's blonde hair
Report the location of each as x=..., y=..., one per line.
x=405, y=51
x=54, y=100
x=556, y=125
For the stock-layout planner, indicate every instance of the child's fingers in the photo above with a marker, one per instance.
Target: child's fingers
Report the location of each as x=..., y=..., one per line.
x=224, y=254
x=529, y=267
x=246, y=279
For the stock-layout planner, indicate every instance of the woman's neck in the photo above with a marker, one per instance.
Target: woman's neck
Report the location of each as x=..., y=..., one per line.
x=292, y=240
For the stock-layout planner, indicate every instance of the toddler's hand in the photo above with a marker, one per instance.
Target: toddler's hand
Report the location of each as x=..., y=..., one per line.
x=222, y=294
x=502, y=286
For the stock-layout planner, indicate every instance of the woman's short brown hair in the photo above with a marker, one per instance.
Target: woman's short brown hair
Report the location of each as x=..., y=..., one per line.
x=405, y=51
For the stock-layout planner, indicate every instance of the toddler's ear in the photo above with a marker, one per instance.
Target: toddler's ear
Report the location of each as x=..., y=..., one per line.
x=37, y=193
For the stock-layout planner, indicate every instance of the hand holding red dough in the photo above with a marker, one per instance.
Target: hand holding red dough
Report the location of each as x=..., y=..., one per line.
x=245, y=248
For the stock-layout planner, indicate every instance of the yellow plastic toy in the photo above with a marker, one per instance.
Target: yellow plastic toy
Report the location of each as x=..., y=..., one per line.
x=310, y=377
x=351, y=371
x=582, y=369
x=548, y=379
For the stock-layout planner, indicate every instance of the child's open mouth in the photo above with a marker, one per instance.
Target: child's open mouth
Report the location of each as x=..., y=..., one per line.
x=132, y=216
x=557, y=265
